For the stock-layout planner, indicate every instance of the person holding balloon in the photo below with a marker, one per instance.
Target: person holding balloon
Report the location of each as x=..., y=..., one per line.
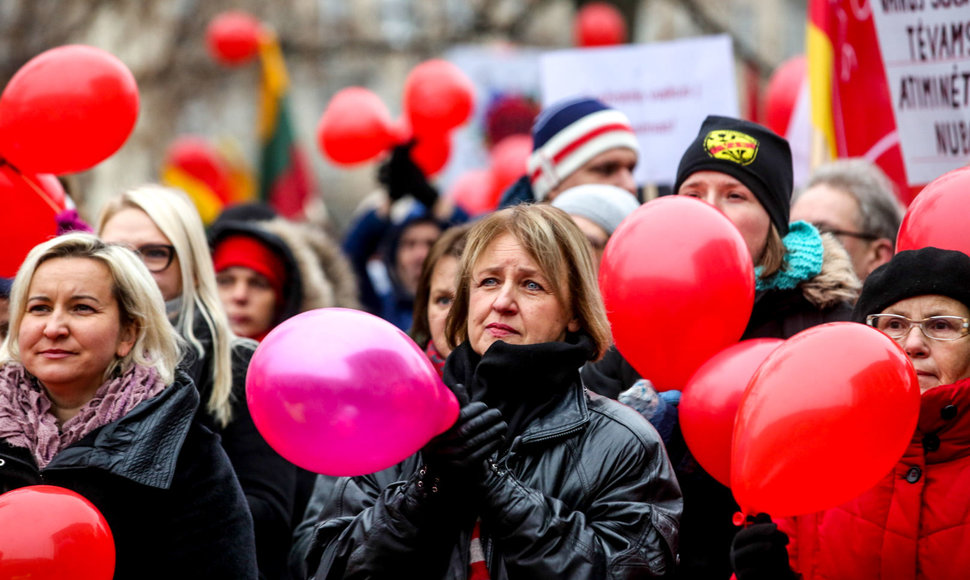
x=537, y=477
x=163, y=226
x=915, y=519
x=91, y=400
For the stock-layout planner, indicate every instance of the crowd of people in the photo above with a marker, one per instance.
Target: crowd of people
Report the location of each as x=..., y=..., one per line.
x=123, y=369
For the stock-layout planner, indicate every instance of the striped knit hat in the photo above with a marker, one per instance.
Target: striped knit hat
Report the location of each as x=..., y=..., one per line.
x=568, y=134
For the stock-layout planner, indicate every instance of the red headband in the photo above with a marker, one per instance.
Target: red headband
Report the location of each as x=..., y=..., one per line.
x=247, y=252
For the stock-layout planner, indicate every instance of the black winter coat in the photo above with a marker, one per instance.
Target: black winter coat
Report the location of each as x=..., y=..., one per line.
x=268, y=480
x=164, y=485
x=585, y=492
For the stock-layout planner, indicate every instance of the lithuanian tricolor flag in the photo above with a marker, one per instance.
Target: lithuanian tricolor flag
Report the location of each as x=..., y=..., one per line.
x=285, y=180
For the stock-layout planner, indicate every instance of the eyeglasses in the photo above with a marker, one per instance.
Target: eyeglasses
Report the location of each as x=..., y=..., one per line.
x=823, y=229
x=935, y=327
x=157, y=257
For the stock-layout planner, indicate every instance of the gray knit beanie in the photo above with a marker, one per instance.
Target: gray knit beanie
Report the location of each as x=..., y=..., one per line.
x=604, y=205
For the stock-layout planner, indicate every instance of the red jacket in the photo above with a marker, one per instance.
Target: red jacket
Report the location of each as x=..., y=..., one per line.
x=915, y=523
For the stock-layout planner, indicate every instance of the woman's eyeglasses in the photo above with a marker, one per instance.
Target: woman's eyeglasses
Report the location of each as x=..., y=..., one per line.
x=157, y=257
x=935, y=327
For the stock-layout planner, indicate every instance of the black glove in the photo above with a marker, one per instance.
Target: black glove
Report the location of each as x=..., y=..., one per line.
x=401, y=176
x=758, y=551
x=459, y=453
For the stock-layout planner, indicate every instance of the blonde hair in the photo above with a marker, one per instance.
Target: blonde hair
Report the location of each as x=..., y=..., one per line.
x=139, y=302
x=773, y=258
x=562, y=253
x=177, y=218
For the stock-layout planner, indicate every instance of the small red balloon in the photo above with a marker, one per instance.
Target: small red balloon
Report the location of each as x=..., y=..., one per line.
x=196, y=166
x=599, y=24
x=840, y=398
x=66, y=110
x=438, y=97
x=50, y=533
x=509, y=158
x=27, y=219
x=474, y=191
x=782, y=94
x=710, y=402
x=431, y=153
x=678, y=284
x=938, y=215
x=233, y=38
x=355, y=127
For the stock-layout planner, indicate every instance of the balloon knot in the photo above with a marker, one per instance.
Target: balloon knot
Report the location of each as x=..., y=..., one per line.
x=738, y=519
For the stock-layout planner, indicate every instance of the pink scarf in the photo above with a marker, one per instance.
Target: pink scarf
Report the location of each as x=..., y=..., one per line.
x=26, y=419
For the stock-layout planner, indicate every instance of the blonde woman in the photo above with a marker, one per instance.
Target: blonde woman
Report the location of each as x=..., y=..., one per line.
x=90, y=400
x=163, y=226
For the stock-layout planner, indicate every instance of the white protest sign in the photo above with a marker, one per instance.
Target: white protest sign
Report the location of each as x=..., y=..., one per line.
x=925, y=47
x=666, y=89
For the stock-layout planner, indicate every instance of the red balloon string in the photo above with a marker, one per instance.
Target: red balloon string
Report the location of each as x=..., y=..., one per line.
x=37, y=189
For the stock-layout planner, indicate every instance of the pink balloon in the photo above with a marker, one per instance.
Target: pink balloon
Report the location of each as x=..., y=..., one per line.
x=710, y=403
x=342, y=392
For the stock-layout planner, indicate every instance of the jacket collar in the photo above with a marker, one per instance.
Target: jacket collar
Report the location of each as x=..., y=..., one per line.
x=945, y=414
x=144, y=445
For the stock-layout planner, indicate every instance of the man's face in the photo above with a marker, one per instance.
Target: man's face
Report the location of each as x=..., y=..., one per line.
x=612, y=167
x=412, y=249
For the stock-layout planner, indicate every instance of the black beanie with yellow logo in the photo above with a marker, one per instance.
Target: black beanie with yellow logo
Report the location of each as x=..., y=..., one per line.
x=749, y=152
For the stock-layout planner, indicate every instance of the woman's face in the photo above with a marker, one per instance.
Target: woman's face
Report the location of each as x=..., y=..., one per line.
x=133, y=228
x=512, y=300
x=71, y=327
x=937, y=362
x=737, y=202
x=441, y=295
x=249, y=300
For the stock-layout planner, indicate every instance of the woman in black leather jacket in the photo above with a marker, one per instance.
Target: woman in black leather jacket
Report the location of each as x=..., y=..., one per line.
x=537, y=478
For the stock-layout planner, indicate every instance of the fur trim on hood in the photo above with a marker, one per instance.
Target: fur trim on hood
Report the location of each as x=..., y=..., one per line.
x=318, y=291
x=837, y=282
x=336, y=267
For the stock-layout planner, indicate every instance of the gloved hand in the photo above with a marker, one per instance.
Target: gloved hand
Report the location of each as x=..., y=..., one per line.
x=401, y=176
x=459, y=453
x=758, y=551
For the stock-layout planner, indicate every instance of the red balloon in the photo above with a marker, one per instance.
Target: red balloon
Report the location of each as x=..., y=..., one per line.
x=356, y=127
x=51, y=533
x=827, y=415
x=343, y=392
x=509, y=158
x=710, y=403
x=233, y=37
x=937, y=217
x=431, y=153
x=49, y=186
x=474, y=191
x=782, y=93
x=678, y=284
x=27, y=219
x=66, y=110
x=195, y=166
x=437, y=97
x=599, y=24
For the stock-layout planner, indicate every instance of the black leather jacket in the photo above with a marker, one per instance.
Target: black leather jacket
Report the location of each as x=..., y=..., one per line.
x=586, y=491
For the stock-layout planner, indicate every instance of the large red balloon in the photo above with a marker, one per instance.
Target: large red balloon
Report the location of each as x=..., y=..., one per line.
x=51, y=533
x=824, y=418
x=27, y=218
x=938, y=215
x=599, y=24
x=782, y=94
x=66, y=110
x=438, y=97
x=678, y=284
x=343, y=392
x=474, y=191
x=233, y=37
x=710, y=403
x=356, y=127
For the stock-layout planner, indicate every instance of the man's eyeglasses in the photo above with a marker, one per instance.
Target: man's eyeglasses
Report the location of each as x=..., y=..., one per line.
x=823, y=229
x=935, y=327
x=157, y=257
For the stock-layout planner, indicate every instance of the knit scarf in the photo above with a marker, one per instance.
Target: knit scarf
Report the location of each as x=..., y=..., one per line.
x=435, y=357
x=26, y=418
x=803, y=259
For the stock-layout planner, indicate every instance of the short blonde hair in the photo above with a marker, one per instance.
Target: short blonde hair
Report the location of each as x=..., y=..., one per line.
x=176, y=217
x=563, y=255
x=139, y=302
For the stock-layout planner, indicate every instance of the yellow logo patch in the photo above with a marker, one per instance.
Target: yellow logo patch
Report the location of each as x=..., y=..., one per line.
x=731, y=146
